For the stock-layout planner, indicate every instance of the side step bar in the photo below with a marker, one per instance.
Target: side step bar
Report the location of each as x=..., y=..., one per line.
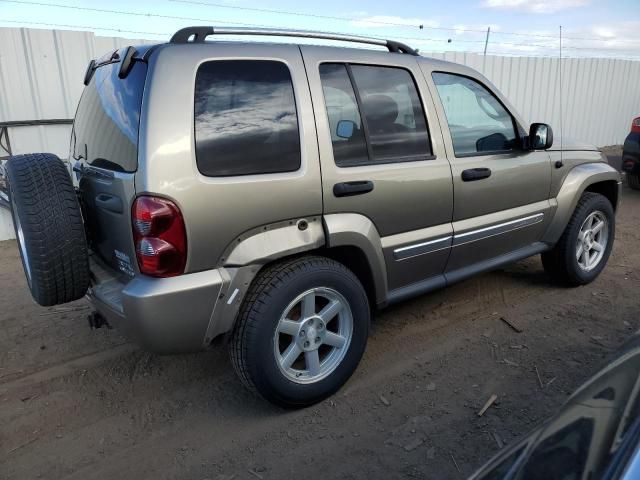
x=449, y=278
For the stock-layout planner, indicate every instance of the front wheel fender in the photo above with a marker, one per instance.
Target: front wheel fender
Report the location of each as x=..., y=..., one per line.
x=577, y=181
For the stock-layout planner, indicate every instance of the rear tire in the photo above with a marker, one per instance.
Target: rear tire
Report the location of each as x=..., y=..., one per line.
x=284, y=347
x=49, y=228
x=585, y=245
x=633, y=180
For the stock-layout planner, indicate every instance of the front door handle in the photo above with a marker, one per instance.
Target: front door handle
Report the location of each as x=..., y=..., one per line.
x=347, y=189
x=474, y=174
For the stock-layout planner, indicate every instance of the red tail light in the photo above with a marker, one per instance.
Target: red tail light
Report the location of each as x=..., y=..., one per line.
x=635, y=125
x=160, y=237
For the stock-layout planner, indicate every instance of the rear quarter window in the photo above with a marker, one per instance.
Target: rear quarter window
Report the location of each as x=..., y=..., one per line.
x=245, y=118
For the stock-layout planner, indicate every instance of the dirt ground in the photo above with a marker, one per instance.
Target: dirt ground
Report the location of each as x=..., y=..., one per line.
x=82, y=404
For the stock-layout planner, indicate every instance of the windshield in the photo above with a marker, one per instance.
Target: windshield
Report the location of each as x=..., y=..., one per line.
x=105, y=130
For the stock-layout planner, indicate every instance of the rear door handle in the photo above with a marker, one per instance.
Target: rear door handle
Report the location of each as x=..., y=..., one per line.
x=474, y=174
x=347, y=189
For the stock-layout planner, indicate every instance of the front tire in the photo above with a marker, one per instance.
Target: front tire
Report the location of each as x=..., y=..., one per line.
x=301, y=331
x=585, y=245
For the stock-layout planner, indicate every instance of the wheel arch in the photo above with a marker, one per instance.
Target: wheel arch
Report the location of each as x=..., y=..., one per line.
x=589, y=177
x=355, y=260
x=350, y=239
x=354, y=240
x=607, y=188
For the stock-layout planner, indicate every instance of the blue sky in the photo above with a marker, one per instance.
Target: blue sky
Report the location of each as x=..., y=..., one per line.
x=604, y=28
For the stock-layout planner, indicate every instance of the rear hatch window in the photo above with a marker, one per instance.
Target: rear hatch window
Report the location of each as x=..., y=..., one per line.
x=105, y=130
x=104, y=146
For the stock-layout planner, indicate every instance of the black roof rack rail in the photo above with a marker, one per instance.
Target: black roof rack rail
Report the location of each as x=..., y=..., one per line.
x=199, y=34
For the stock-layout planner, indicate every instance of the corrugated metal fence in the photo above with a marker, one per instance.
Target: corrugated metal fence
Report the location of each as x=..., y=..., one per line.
x=41, y=75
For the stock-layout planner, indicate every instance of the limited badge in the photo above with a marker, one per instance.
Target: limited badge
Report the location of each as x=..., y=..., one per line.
x=124, y=263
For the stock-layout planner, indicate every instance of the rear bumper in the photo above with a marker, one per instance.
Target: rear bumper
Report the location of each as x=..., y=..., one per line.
x=164, y=315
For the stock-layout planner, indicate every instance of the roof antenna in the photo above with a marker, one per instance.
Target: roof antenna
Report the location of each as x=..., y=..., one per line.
x=560, y=163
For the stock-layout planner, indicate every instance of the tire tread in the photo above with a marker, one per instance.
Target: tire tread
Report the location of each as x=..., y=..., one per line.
x=271, y=278
x=52, y=225
x=556, y=262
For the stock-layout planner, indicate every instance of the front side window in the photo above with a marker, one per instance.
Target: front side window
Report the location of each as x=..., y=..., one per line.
x=245, y=118
x=394, y=128
x=478, y=122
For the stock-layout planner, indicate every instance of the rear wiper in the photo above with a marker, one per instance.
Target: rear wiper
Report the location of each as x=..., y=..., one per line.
x=126, y=63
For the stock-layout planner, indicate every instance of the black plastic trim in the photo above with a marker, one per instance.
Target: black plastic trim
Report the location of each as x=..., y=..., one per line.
x=448, y=278
x=184, y=35
x=415, y=289
x=493, y=263
x=127, y=62
x=492, y=152
x=348, y=189
x=390, y=160
x=398, y=47
x=474, y=174
x=363, y=117
x=89, y=72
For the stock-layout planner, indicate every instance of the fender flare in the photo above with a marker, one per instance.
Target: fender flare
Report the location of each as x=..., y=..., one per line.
x=243, y=258
x=355, y=230
x=271, y=242
x=574, y=185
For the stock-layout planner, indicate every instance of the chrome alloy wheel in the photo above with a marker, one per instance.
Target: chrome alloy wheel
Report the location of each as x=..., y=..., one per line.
x=21, y=244
x=313, y=335
x=592, y=240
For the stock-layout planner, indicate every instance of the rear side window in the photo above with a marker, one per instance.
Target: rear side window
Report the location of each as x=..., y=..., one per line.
x=245, y=118
x=478, y=122
x=394, y=128
x=391, y=106
x=342, y=108
x=105, y=130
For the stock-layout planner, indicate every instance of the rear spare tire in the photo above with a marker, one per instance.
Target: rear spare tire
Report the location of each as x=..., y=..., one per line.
x=49, y=228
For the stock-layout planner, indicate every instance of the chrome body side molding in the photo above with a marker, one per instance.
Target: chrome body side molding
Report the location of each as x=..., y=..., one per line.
x=498, y=229
x=422, y=248
x=434, y=245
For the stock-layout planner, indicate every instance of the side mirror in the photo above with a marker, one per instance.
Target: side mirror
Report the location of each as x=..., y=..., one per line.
x=540, y=136
x=345, y=128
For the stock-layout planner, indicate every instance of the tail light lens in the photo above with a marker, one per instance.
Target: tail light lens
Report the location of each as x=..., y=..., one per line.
x=160, y=237
x=635, y=125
